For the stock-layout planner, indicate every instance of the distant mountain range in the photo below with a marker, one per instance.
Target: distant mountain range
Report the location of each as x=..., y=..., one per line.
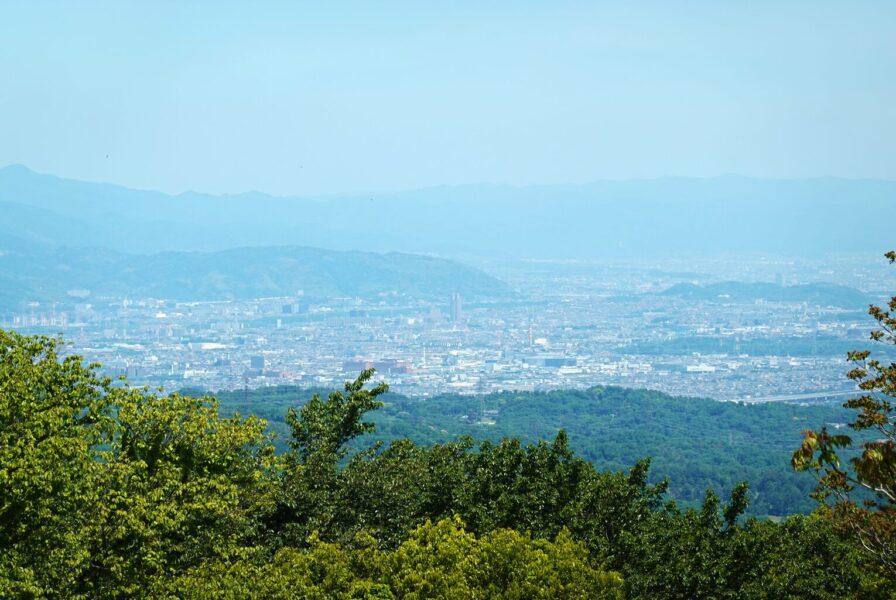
x=822, y=294
x=42, y=273
x=657, y=217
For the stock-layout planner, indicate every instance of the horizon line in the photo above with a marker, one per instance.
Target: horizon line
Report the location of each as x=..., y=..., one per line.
x=343, y=194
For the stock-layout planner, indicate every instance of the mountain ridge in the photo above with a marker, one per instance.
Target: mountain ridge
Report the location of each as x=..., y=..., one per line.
x=624, y=218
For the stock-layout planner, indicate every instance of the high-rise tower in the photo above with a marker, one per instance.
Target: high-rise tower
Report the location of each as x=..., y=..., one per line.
x=455, y=307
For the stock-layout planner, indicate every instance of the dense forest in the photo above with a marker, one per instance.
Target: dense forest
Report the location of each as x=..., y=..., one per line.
x=695, y=443
x=110, y=491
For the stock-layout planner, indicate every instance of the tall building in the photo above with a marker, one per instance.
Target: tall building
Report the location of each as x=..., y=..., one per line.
x=256, y=362
x=455, y=307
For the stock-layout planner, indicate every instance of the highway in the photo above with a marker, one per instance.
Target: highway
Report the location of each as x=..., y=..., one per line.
x=825, y=395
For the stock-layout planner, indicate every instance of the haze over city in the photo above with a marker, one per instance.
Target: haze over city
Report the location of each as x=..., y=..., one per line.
x=546, y=171
x=447, y=300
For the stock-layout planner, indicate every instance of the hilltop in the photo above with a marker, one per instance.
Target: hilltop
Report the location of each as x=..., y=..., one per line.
x=30, y=272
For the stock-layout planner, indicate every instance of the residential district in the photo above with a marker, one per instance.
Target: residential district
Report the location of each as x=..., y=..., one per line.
x=571, y=326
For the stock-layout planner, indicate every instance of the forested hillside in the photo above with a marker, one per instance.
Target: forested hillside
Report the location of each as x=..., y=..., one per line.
x=694, y=442
x=108, y=491
x=36, y=272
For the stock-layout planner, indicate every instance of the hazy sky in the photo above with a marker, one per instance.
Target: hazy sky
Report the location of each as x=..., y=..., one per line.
x=342, y=96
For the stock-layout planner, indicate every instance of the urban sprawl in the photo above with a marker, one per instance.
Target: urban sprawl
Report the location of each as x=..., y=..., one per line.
x=571, y=326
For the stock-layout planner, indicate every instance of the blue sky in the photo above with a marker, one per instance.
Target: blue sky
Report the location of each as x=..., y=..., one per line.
x=326, y=97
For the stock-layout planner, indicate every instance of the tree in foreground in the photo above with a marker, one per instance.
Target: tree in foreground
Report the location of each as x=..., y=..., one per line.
x=110, y=491
x=54, y=416
x=861, y=492
x=438, y=560
x=106, y=489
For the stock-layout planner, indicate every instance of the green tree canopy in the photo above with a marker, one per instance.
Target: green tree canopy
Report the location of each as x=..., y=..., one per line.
x=111, y=491
x=862, y=492
x=54, y=417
